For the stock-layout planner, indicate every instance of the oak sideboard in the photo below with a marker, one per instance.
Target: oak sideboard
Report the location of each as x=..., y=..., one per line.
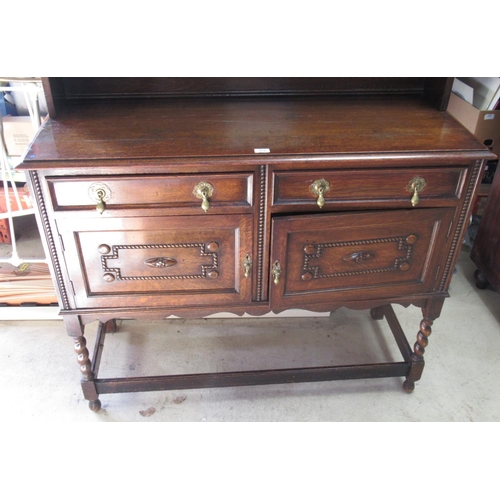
x=191, y=196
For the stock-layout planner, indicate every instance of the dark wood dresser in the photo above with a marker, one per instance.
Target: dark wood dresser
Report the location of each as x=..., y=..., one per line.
x=486, y=248
x=190, y=196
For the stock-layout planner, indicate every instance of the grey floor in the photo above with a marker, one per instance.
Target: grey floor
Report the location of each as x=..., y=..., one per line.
x=40, y=380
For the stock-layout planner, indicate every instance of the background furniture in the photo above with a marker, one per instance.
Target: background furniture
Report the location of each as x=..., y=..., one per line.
x=24, y=275
x=190, y=196
x=486, y=249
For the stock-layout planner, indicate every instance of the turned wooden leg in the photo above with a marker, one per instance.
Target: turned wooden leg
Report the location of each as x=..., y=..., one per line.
x=377, y=313
x=76, y=330
x=431, y=311
x=88, y=386
x=417, y=357
x=111, y=326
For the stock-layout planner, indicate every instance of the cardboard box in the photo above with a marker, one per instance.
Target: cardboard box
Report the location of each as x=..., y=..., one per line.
x=18, y=132
x=24, y=198
x=485, y=125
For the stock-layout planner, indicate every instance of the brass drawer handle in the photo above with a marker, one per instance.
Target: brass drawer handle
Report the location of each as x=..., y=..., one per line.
x=247, y=265
x=276, y=272
x=203, y=191
x=318, y=188
x=100, y=193
x=416, y=186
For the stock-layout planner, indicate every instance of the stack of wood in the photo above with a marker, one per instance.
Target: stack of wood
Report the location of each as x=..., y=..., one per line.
x=29, y=283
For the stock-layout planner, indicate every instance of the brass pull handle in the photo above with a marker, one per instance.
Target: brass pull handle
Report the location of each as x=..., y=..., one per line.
x=247, y=265
x=100, y=193
x=318, y=188
x=276, y=272
x=101, y=206
x=203, y=191
x=416, y=186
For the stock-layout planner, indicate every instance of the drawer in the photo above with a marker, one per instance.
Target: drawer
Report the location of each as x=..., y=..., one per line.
x=162, y=191
x=325, y=258
x=441, y=186
x=158, y=261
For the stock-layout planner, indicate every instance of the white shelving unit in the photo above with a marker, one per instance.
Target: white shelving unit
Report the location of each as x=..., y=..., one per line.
x=25, y=252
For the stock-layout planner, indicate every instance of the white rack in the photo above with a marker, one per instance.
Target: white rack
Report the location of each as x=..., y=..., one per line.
x=15, y=208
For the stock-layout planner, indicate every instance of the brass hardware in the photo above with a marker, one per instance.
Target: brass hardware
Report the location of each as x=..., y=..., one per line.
x=100, y=193
x=104, y=249
x=247, y=265
x=319, y=188
x=101, y=206
x=109, y=277
x=161, y=262
x=203, y=191
x=411, y=239
x=213, y=274
x=416, y=186
x=307, y=277
x=276, y=272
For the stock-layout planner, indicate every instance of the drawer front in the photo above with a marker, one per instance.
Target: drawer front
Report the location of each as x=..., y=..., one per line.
x=175, y=261
x=357, y=256
x=441, y=186
x=167, y=191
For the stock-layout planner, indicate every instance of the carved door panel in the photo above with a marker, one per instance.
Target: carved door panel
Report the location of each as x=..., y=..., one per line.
x=158, y=261
x=356, y=256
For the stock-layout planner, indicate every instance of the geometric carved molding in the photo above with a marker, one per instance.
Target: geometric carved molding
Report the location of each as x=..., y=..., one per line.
x=314, y=251
x=204, y=269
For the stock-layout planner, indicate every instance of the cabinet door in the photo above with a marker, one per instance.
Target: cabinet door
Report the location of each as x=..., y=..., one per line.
x=158, y=261
x=356, y=256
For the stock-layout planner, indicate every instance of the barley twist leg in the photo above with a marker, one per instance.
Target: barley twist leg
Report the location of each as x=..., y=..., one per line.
x=83, y=359
x=417, y=357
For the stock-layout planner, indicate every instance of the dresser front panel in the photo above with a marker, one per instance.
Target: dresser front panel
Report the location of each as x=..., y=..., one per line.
x=158, y=261
x=334, y=257
x=230, y=190
x=368, y=187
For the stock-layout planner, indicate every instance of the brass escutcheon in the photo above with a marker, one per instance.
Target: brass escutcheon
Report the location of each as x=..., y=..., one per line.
x=203, y=191
x=416, y=186
x=276, y=272
x=247, y=265
x=319, y=188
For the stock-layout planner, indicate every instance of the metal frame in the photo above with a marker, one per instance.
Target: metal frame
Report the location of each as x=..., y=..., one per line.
x=14, y=208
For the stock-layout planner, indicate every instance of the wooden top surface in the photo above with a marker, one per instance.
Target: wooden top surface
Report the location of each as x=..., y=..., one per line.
x=183, y=128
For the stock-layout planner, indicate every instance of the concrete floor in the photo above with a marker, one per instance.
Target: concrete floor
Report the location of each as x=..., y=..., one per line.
x=40, y=379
